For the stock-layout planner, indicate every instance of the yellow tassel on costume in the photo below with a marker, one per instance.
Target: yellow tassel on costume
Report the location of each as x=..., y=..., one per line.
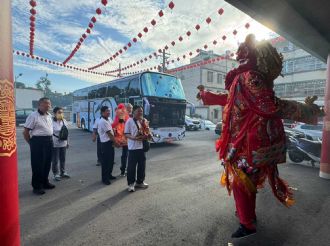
x=289, y=202
x=223, y=178
x=246, y=180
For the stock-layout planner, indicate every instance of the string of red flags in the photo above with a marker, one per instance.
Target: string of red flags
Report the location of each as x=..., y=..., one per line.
x=185, y=67
x=133, y=41
x=33, y=12
x=198, y=64
x=153, y=55
x=58, y=64
x=88, y=31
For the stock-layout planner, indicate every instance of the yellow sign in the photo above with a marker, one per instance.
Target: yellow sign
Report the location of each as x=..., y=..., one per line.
x=7, y=119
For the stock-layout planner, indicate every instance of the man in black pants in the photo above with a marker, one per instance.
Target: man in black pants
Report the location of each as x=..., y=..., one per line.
x=96, y=137
x=38, y=132
x=107, y=139
x=136, y=155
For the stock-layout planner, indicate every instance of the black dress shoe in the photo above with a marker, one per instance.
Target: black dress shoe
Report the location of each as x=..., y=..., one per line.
x=38, y=191
x=106, y=182
x=242, y=231
x=112, y=177
x=49, y=186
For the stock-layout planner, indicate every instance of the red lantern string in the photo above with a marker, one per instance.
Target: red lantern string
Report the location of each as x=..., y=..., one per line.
x=208, y=20
x=197, y=50
x=220, y=11
x=197, y=27
x=247, y=25
x=140, y=35
x=59, y=64
x=33, y=12
x=85, y=35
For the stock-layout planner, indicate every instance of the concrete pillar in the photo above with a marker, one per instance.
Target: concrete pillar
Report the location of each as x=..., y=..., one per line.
x=9, y=219
x=325, y=154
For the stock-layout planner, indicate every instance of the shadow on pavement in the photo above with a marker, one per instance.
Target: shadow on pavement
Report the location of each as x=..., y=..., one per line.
x=58, y=203
x=77, y=222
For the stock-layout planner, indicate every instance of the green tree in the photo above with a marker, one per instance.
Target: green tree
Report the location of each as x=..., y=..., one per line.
x=44, y=84
x=20, y=85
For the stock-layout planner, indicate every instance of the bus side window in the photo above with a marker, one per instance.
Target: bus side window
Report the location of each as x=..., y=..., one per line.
x=102, y=92
x=134, y=88
x=113, y=90
x=92, y=94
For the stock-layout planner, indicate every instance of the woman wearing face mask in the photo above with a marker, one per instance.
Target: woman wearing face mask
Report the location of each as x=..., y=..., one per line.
x=60, y=145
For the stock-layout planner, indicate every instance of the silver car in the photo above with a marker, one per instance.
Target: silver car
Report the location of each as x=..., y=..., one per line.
x=312, y=132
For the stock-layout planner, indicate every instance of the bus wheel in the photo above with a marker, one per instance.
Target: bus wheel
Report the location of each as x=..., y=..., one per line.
x=83, y=125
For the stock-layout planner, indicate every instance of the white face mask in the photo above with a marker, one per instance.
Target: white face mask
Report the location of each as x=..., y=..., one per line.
x=59, y=116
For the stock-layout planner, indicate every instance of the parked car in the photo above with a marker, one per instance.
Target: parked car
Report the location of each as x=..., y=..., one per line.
x=312, y=132
x=192, y=123
x=218, y=128
x=208, y=125
x=22, y=114
x=289, y=123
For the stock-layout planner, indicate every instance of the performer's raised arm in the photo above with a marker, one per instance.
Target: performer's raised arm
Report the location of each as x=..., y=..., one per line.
x=211, y=98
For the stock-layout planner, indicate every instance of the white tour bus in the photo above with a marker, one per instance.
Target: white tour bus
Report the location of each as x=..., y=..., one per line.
x=161, y=96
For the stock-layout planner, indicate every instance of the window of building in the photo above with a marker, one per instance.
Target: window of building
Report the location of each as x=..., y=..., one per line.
x=219, y=78
x=308, y=63
x=210, y=77
x=216, y=113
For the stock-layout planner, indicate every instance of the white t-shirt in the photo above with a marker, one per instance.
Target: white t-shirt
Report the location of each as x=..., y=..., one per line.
x=39, y=124
x=104, y=126
x=96, y=123
x=130, y=128
x=57, y=125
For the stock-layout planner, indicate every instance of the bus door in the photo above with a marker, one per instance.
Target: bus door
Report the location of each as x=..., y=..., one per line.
x=90, y=115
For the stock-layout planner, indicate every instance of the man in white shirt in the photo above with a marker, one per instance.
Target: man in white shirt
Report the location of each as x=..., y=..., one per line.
x=107, y=139
x=38, y=132
x=96, y=137
x=136, y=155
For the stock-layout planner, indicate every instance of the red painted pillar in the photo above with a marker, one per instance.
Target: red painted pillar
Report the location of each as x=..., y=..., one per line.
x=9, y=218
x=325, y=155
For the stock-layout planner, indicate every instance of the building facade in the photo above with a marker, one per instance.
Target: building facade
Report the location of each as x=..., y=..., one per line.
x=303, y=74
x=27, y=98
x=212, y=76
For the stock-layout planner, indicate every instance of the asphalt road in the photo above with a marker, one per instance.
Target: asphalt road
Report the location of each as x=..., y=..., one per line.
x=184, y=204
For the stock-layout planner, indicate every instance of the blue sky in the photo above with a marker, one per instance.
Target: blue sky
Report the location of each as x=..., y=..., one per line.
x=59, y=25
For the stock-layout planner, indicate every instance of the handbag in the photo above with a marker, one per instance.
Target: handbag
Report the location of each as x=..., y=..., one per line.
x=146, y=144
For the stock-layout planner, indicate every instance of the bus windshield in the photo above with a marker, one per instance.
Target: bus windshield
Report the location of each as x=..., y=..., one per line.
x=160, y=85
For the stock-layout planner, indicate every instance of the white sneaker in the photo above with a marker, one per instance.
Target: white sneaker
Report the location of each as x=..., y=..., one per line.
x=142, y=185
x=131, y=188
x=65, y=175
x=57, y=177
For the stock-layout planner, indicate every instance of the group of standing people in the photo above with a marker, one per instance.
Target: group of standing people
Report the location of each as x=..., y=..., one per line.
x=128, y=130
x=47, y=137
x=48, y=140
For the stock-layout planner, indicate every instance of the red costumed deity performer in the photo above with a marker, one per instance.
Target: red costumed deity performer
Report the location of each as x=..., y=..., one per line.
x=252, y=141
x=119, y=127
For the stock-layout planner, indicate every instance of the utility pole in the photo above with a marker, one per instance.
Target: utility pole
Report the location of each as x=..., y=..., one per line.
x=164, y=56
x=119, y=69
